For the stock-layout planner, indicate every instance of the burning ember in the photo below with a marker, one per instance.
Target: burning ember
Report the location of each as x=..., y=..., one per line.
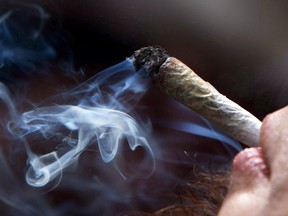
x=112, y=144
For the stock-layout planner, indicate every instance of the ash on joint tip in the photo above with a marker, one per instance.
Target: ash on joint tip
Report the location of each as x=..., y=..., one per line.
x=148, y=60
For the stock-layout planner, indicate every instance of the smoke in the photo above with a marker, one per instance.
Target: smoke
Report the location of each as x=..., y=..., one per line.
x=28, y=46
x=99, y=148
x=34, y=49
x=97, y=117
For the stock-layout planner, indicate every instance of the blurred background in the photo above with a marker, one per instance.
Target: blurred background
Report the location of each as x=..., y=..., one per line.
x=238, y=46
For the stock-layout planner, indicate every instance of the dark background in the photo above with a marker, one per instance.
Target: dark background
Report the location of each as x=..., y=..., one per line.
x=238, y=46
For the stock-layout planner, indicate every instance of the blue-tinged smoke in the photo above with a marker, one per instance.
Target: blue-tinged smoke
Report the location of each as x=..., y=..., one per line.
x=26, y=46
x=97, y=114
x=22, y=200
x=100, y=141
x=22, y=45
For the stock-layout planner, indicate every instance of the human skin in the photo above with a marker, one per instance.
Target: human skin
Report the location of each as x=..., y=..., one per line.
x=259, y=179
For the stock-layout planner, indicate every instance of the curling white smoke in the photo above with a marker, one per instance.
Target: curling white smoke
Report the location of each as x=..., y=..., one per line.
x=98, y=116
